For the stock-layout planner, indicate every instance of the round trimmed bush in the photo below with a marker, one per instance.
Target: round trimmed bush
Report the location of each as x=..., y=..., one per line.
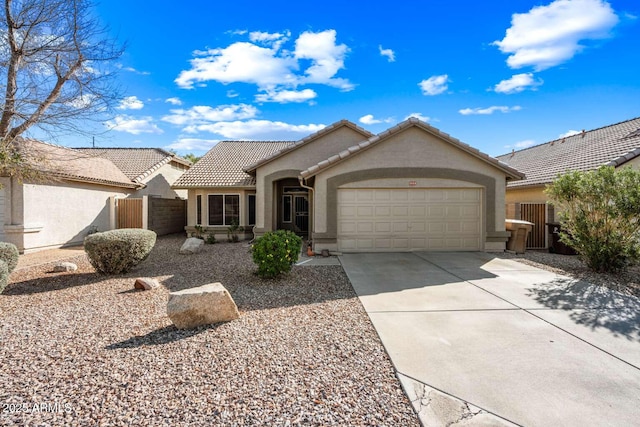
x=275, y=252
x=4, y=275
x=118, y=251
x=9, y=254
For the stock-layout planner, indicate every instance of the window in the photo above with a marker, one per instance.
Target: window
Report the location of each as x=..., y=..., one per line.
x=224, y=209
x=251, y=203
x=286, y=208
x=199, y=209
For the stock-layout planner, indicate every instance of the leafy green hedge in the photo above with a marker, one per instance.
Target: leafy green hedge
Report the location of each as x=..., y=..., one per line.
x=118, y=251
x=275, y=252
x=4, y=275
x=9, y=254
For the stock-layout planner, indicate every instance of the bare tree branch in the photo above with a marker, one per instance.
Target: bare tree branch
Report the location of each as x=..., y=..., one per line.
x=56, y=72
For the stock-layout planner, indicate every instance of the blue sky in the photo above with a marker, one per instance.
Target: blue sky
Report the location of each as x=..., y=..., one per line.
x=497, y=75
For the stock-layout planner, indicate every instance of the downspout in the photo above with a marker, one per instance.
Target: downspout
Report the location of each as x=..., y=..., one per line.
x=313, y=204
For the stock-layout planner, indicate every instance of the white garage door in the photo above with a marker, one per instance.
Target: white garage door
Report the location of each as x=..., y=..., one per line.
x=433, y=219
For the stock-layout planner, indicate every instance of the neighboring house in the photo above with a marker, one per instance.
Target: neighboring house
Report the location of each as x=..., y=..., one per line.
x=157, y=169
x=616, y=145
x=63, y=209
x=408, y=188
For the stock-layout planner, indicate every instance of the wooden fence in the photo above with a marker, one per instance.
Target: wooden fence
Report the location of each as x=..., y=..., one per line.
x=164, y=216
x=129, y=213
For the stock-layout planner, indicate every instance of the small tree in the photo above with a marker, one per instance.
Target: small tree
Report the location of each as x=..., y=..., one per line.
x=600, y=215
x=56, y=68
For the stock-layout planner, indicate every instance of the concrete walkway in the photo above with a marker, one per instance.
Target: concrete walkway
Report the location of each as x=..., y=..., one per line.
x=478, y=340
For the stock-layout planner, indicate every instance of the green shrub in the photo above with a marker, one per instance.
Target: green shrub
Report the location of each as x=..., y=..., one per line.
x=600, y=216
x=118, y=251
x=4, y=275
x=211, y=239
x=9, y=254
x=275, y=252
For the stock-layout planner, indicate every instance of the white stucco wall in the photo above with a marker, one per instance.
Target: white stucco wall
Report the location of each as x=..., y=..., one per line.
x=302, y=158
x=60, y=214
x=159, y=183
x=412, y=148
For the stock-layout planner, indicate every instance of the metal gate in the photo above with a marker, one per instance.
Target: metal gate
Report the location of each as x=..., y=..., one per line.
x=129, y=213
x=535, y=213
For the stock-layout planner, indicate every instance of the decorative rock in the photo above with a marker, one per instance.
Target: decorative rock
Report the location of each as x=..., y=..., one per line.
x=146, y=283
x=64, y=266
x=203, y=305
x=192, y=245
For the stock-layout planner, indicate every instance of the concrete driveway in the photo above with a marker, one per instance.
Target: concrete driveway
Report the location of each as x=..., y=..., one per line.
x=478, y=340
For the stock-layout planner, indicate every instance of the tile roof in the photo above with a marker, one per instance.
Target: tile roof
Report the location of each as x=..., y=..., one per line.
x=610, y=145
x=136, y=163
x=328, y=129
x=313, y=170
x=69, y=164
x=223, y=165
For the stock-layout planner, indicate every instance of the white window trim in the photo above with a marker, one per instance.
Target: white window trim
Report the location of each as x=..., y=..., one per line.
x=224, y=224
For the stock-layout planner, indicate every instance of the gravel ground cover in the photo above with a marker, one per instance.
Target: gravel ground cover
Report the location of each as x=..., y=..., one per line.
x=86, y=349
x=570, y=265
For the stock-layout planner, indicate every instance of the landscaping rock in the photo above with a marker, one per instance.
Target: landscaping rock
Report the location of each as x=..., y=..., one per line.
x=64, y=266
x=203, y=305
x=146, y=283
x=192, y=245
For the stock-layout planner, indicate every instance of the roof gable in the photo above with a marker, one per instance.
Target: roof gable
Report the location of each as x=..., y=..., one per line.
x=70, y=164
x=308, y=140
x=411, y=122
x=136, y=163
x=223, y=165
x=611, y=145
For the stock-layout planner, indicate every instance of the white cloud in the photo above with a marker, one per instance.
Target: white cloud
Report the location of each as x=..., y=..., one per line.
x=434, y=85
x=257, y=129
x=569, y=133
x=133, y=70
x=419, y=116
x=370, y=120
x=133, y=125
x=173, y=101
x=284, y=96
x=130, y=103
x=550, y=35
x=203, y=114
x=517, y=83
x=489, y=110
x=522, y=144
x=270, y=67
x=192, y=144
x=388, y=53
x=83, y=101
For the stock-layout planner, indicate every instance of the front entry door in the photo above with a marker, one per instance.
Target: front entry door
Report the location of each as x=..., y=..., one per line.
x=301, y=213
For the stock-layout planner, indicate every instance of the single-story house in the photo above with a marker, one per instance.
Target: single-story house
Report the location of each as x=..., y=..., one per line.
x=615, y=145
x=155, y=168
x=411, y=187
x=62, y=209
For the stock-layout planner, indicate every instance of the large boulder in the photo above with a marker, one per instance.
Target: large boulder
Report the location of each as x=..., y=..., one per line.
x=203, y=305
x=192, y=245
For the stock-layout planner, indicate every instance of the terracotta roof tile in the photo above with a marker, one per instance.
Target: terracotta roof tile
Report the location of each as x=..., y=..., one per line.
x=66, y=163
x=610, y=145
x=135, y=163
x=223, y=165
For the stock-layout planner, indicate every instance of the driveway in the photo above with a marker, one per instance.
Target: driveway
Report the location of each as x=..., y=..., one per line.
x=482, y=340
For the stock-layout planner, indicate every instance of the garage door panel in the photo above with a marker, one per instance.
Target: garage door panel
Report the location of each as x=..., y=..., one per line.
x=409, y=219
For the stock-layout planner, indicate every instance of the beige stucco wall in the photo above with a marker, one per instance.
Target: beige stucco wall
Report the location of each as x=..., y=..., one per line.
x=159, y=183
x=55, y=214
x=295, y=161
x=526, y=195
x=412, y=150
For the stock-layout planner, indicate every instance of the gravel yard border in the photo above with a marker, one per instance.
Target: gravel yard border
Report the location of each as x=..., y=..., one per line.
x=87, y=349
x=570, y=265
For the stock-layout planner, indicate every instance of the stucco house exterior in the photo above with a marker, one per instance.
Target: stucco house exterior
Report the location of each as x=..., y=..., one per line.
x=156, y=169
x=615, y=145
x=411, y=187
x=63, y=208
